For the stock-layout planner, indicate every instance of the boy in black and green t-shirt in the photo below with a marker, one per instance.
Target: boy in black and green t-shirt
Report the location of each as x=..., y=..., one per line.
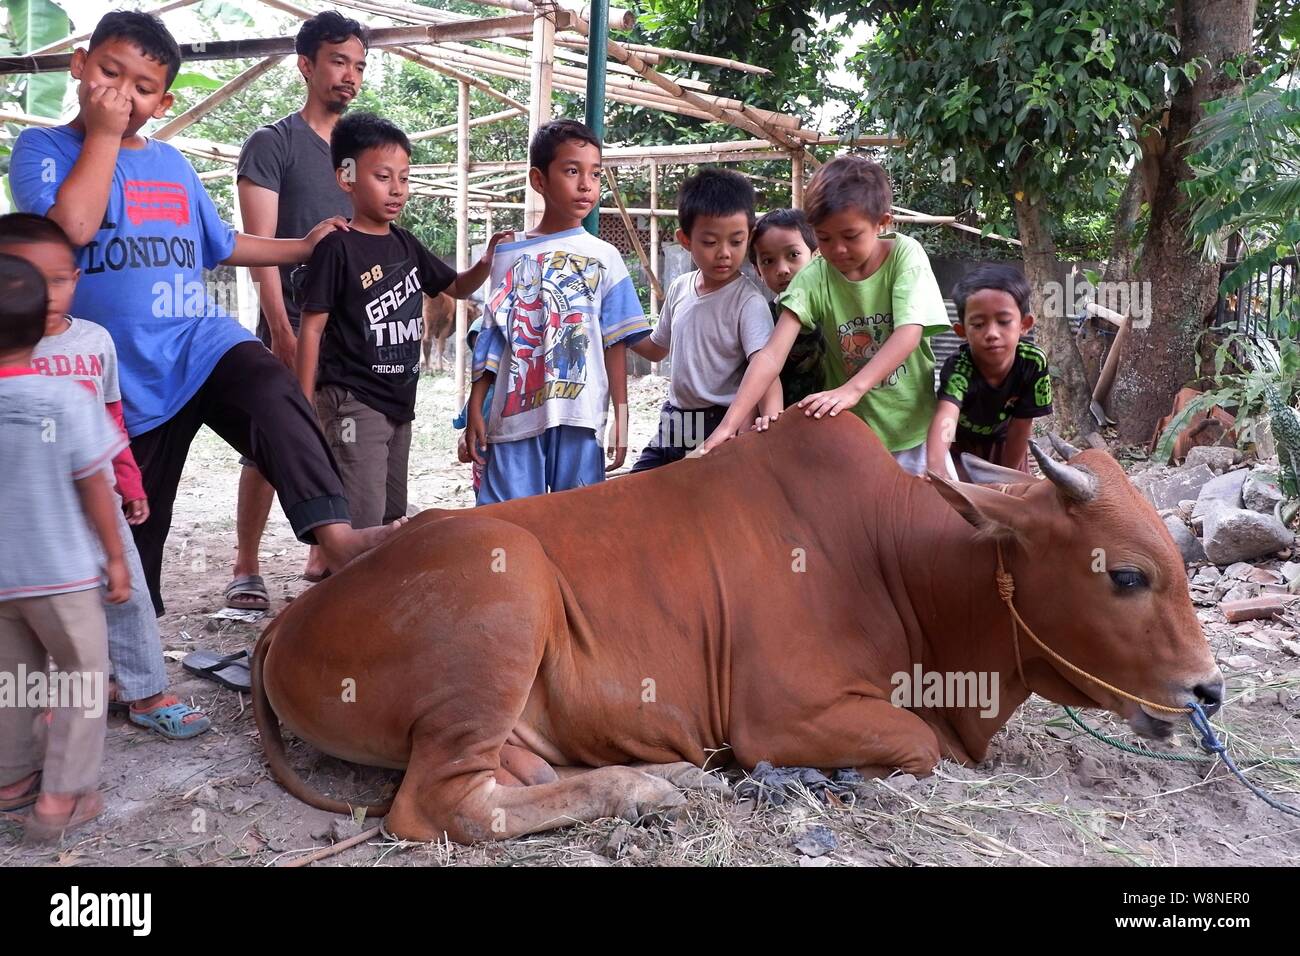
x=995, y=385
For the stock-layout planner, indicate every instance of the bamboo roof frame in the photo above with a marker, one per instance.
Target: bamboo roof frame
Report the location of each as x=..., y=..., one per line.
x=552, y=36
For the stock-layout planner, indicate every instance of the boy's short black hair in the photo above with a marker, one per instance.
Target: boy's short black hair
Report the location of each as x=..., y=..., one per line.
x=358, y=132
x=328, y=26
x=849, y=182
x=25, y=228
x=714, y=191
x=1004, y=278
x=23, y=303
x=143, y=30
x=550, y=136
x=782, y=219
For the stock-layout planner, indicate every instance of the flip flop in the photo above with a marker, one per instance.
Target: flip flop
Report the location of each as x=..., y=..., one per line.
x=248, y=593
x=168, y=719
x=23, y=799
x=37, y=829
x=229, y=671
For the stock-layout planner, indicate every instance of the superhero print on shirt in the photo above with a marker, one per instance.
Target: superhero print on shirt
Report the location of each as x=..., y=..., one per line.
x=543, y=306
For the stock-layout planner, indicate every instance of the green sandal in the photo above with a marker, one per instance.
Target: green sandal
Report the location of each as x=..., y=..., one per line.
x=168, y=719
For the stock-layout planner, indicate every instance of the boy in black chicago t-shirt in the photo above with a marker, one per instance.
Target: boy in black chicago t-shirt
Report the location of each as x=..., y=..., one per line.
x=362, y=319
x=995, y=385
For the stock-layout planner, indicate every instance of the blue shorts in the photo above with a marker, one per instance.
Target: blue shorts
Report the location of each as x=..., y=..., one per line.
x=558, y=459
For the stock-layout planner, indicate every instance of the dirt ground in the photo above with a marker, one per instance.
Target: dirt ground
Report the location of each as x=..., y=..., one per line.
x=1048, y=794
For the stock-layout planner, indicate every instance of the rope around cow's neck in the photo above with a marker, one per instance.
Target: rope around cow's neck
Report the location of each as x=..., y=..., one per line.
x=1007, y=590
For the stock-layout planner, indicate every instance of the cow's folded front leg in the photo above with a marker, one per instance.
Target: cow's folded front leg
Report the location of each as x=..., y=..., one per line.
x=855, y=731
x=474, y=807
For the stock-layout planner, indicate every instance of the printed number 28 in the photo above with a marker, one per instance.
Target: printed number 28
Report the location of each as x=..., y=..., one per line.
x=373, y=275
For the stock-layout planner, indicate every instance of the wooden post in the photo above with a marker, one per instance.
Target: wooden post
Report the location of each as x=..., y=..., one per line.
x=539, y=100
x=462, y=231
x=796, y=179
x=654, y=241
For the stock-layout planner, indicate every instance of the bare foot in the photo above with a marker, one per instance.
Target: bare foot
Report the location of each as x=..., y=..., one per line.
x=340, y=543
x=316, y=568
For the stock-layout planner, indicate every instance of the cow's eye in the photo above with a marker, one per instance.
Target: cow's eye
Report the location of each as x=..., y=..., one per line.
x=1129, y=579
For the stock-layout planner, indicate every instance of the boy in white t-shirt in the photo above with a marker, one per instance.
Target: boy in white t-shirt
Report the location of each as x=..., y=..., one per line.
x=713, y=319
x=561, y=311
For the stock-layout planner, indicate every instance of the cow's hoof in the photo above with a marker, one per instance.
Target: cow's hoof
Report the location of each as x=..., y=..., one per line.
x=650, y=799
x=687, y=776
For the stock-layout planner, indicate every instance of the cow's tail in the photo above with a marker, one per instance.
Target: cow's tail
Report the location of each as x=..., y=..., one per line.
x=268, y=726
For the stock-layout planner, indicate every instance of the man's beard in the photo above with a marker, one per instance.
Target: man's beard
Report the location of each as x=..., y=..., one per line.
x=338, y=106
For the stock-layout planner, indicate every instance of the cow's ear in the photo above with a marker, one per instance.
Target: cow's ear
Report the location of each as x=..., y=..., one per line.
x=990, y=511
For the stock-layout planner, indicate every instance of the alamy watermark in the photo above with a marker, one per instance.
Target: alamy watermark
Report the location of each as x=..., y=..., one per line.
x=940, y=689
x=42, y=688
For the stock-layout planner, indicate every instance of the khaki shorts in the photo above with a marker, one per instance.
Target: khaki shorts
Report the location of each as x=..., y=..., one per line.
x=371, y=450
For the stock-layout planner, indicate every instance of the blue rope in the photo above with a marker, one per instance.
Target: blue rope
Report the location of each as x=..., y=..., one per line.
x=1212, y=743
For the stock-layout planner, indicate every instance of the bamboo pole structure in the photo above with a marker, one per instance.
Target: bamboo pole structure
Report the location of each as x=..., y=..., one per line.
x=796, y=180
x=304, y=14
x=380, y=38
x=74, y=39
x=453, y=127
x=539, y=103
x=630, y=226
x=657, y=52
x=654, y=242
x=217, y=97
x=462, y=231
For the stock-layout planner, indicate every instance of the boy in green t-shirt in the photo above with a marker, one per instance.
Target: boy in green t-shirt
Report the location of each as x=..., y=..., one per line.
x=875, y=300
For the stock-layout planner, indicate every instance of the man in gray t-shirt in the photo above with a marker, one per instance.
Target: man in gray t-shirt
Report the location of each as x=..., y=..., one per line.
x=287, y=185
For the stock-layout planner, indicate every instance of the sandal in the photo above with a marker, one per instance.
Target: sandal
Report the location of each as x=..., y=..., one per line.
x=168, y=719
x=248, y=593
x=39, y=829
x=229, y=671
x=25, y=799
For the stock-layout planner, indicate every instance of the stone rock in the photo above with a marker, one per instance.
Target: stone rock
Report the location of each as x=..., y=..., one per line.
x=1291, y=571
x=1181, y=484
x=1215, y=457
x=1221, y=492
x=344, y=828
x=1239, y=592
x=816, y=841
x=1187, y=505
x=1188, y=544
x=1261, y=491
x=1090, y=771
x=1235, y=534
x=1263, y=576
x=1238, y=570
x=1207, y=575
x=1242, y=662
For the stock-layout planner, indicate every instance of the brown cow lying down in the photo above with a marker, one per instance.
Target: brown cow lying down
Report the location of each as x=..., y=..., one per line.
x=580, y=655
x=439, y=323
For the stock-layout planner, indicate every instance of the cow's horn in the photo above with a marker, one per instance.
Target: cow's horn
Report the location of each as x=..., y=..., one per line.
x=1076, y=483
x=1063, y=447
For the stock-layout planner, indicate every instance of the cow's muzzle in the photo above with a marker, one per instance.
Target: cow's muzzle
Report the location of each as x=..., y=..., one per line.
x=1209, y=694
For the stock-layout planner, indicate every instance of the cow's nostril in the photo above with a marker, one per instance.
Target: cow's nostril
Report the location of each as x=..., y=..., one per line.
x=1210, y=696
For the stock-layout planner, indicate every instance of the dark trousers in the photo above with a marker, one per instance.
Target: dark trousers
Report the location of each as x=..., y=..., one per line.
x=680, y=430
x=255, y=404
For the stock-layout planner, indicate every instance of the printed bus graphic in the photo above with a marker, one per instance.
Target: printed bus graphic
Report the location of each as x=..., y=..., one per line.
x=150, y=200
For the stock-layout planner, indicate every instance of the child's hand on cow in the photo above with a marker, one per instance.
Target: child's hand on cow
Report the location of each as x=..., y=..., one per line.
x=832, y=402
x=119, y=581
x=762, y=422
x=137, y=511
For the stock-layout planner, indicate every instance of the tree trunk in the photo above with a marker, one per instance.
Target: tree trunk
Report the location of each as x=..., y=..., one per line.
x=1119, y=268
x=1180, y=288
x=1070, y=392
